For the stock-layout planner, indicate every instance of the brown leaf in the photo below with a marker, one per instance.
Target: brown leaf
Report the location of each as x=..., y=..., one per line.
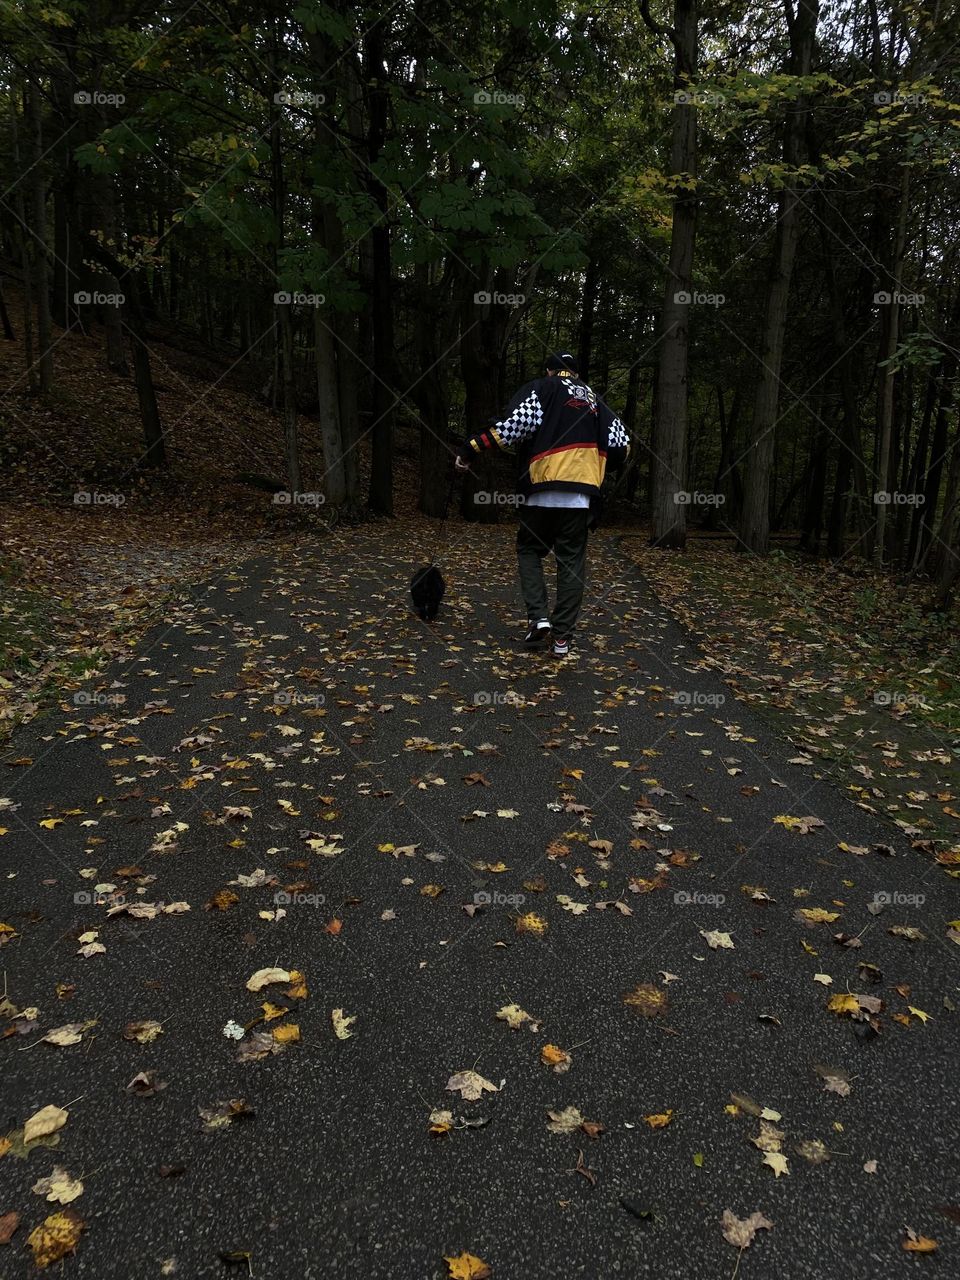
x=8, y=1225
x=740, y=1231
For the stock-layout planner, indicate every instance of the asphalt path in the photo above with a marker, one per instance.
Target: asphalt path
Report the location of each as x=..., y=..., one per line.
x=422, y=795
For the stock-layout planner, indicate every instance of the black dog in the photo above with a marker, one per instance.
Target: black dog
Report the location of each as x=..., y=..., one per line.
x=426, y=588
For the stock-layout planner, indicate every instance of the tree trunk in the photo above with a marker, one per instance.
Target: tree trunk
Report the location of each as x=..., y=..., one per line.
x=888, y=373
x=669, y=444
x=755, y=519
x=328, y=409
x=23, y=253
x=585, y=343
x=39, y=249
x=381, y=299
x=283, y=309
x=113, y=328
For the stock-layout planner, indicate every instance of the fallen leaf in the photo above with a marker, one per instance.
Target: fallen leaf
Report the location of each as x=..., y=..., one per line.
x=566, y=1121
x=553, y=1056
x=714, y=938
x=142, y=1032
x=466, y=1266
x=145, y=1084
x=740, y=1231
x=513, y=1016
x=69, y=1033
x=56, y=1236
x=470, y=1085
x=43, y=1122
x=647, y=998
x=775, y=1161
x=265, y=977
x=343, y=1024
x=59, y=1186
x=918, y=1244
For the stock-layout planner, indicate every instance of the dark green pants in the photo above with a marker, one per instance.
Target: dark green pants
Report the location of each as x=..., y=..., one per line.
x=564, y=532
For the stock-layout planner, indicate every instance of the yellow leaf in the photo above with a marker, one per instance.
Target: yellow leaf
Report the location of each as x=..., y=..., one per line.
x=648, y=998
x=531, y=923
x=552, y=1055
x=56, y=1236
x=343, y=1024
x=50, y=823
x=513, y=1016
x=918, y=1013
x=287, y=1034
x=817, y=915
x=659, y=1121
x=919, y=1244
x=843, y=1002
x=271, y=1011
x=776, y=1161
x=466, y=1266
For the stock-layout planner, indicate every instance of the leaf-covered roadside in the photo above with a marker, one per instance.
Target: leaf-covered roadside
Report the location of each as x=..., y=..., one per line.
x=78, y=594
x=846, y=662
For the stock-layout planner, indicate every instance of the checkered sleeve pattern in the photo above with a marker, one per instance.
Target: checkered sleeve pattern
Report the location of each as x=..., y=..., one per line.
x=522, y=417
x=617, y=437
x=522, y=423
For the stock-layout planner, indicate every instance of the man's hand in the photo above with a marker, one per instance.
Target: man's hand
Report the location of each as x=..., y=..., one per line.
x=461, y=464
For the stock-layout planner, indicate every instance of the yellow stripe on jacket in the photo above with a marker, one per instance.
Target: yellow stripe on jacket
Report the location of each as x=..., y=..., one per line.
x=571, y=464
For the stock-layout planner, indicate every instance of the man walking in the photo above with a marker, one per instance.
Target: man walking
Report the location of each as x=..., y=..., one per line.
x=566, y=437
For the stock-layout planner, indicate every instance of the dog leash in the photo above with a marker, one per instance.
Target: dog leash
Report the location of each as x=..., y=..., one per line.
x=446, y=511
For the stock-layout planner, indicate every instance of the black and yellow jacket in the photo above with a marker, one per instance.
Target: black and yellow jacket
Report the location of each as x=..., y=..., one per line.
x=567, y=435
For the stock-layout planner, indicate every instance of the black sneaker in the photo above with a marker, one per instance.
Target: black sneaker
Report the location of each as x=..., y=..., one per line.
x=538, y=634
x=561, y=647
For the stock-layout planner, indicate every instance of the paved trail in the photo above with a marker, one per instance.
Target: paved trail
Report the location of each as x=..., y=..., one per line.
x=295, y=719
